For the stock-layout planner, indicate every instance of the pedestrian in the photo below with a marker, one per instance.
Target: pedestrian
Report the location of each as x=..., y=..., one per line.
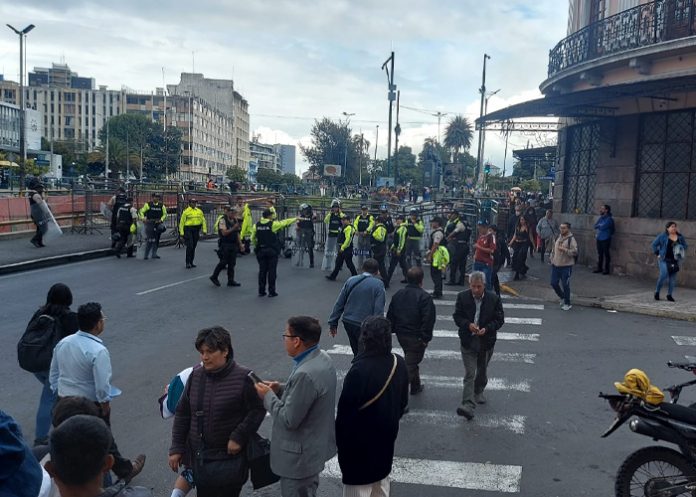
x=414, y=234
x=378, y=243
x=670, y=248
x=364, y=223
x=548, y=230
x=37, y=207
x=501, y=256
x=191, y=224
x=562, y=261
x=80, y=455
x=437, y=244
x=217, y=414
x=479, y=315
x=57, y=306
x=512, y=222
x=531, y=219
x=604, y=230
x=520, y=246
x=267, y=248
x=397, y=256
x=412, y=316
x=305, y=233
x=81, y=364
x=154, y=213
x=333, y=222
x=21, y=474
x=484, y=248
x=373, y=399
x=229, y=244
x=302, y=409
x=344, y=245
x=458, y=234
x=361, y=296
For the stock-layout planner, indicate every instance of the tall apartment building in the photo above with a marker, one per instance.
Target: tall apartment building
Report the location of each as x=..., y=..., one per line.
x=265, y=156
x=623, y=85
x=287, y=157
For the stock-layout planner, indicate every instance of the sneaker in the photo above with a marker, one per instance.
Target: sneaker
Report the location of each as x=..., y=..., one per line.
x=215, y=281
x=467, y=412
x=566, y=307
x=272, y=294
x=138, y=465
x=561, y=302
x=233, y=283
x=480, y=399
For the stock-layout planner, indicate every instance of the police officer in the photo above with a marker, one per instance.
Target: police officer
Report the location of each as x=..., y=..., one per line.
x=190, y=225
x=126, y=216
x=363, y=225
x=414, y=234
x=333, y=220
x=154, y=213
x=228, y=228
x=305, y=233
x=378, y=241
x=457, y=234
x=35, y=200
x=396, y=257
x=116, y=201
x=437, y=240
x=267, y=248
x=345, y=249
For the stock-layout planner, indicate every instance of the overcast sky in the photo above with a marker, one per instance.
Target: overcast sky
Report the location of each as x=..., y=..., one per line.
x=297, y=61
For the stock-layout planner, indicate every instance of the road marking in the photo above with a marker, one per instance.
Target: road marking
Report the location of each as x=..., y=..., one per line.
x=445, y=354
x=534, y=307
x=525, y=337
x=684, y=340
x=497, y=384
x=145, y=292
x=452, y=474
x=530, y=321
x=513, y=423
x=455, y=292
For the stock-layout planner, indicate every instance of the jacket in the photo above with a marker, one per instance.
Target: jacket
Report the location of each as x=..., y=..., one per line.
x=303, y=432
x=192, y=216
x=659, y=244
x=20, y=472
x=547, y=227
x=276, y=226
x=412, y=312
x=365, y=438
x=362, y=295
x=231, y=406
x=491, y=317
x=563, y=258
x=441, y=258
x=146, y=208
x=604, y=227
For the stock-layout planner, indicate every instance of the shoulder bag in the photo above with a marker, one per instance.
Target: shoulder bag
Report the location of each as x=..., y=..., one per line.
x=384, y=388
x=258, y=451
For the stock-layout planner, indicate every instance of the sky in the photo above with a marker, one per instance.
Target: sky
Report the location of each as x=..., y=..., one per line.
x=297, y=61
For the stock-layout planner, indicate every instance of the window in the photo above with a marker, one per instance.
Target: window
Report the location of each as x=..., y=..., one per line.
x=579, y=175
x=666, y=184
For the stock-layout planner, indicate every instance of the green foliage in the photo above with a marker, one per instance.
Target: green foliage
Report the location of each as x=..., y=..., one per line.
x=236, y=173
x=530, y=185
x=409, y=172
x=458, y=135
x=31, y=168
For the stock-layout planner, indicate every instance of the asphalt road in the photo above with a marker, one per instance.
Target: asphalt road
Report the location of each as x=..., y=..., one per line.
x=539, y=434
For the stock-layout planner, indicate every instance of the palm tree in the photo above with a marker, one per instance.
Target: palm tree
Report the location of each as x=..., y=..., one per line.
x=458, y=135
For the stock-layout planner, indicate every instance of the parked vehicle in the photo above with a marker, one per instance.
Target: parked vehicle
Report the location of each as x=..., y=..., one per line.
x=658, y=470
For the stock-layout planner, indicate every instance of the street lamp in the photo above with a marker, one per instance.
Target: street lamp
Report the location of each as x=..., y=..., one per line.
x=488, y=95
x=22, y=132
x=345, y=154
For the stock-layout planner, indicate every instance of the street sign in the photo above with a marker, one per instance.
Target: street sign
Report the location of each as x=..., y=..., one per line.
x=548, y=178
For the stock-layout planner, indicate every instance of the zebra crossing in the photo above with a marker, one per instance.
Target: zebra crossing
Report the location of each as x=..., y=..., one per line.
x=442, y=372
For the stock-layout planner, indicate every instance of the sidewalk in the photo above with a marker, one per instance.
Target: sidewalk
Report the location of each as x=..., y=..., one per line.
x=620, y=293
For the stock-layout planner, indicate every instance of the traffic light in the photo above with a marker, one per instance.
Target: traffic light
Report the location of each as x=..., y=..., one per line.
x=487, y=168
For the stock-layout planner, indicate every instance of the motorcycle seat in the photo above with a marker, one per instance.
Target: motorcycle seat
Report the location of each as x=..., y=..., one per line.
x=681, y=413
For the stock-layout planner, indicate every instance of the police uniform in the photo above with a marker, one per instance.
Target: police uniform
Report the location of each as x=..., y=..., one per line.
x=267, y=248
x=363, y=225
x=228, y=245
x=414, y=235
x=115, y=203
x=126, y=216
x=345, y=251
x=458, y=248
x=305, y=225
x=378, y=241
x=35, y=200
x=435, y=266
x=333, y=220
x=190, y=225
x=154, y=214
x=397, y=257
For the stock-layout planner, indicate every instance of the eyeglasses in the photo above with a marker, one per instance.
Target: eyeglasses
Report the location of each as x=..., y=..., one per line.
x=289, y=336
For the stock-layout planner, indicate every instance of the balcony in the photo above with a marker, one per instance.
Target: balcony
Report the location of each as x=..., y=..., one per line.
x=643, y=26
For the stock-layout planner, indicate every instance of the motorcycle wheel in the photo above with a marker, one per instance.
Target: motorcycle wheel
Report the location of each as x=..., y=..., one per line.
x=647, y=463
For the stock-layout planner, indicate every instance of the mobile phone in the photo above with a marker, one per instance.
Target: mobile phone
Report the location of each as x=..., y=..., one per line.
x=254, y=377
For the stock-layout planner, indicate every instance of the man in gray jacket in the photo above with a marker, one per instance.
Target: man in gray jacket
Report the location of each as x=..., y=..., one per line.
x=362, y=295
x=303, y=436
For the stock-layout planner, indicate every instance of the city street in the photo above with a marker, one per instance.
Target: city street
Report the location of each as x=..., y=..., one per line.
x=538, y=435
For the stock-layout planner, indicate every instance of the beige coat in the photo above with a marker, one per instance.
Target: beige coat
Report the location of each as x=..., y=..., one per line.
x=564, y=250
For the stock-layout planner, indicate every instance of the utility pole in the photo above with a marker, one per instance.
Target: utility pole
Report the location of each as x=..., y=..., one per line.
x=483, y=130
x=391, y=96
x=106, y=165
x=439, y=118
x=479, y=158
x=397, y=132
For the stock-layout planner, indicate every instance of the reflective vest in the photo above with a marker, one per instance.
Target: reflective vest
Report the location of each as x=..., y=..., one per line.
x=345, y=234
x=462, y=237
x=265, y=238
x=362, y=223
x=334, y=223
x=233, y=237
x=154, y=212
x=124, y=215
x=378, y=240
x=413, y=232
x=305, y=220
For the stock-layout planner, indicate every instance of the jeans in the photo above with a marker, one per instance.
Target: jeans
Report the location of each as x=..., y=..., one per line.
x=43, y=414
x=353, y=332
x=603, y=255
x=664, y=275
x=561, y=274
x=485, y=269
x=475, y=374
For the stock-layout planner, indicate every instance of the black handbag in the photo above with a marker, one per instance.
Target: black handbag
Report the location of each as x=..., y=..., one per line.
x=672, y=267
x=259, y=457
x=215, y=467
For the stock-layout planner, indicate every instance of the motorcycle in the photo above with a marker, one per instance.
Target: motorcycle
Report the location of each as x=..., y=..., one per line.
x=658, y=471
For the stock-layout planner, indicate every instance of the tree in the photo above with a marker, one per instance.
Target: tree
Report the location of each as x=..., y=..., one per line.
x=268, y=177
x=332, y=143
x=458, y=136
x=409, y=172
x=236, y=173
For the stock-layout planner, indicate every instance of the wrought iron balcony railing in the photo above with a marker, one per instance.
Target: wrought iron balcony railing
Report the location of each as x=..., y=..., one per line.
x=641, y=26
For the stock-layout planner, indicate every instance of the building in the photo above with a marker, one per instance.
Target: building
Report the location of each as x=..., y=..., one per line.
x=59, y=76
x=287, y=157
x=265, y=156
x=623, y=85
x=9, y=129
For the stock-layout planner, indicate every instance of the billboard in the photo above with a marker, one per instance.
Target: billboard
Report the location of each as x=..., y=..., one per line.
x=332, y=170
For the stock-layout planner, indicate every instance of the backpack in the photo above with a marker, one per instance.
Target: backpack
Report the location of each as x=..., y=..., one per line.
x=35, y=348
x=576, y=256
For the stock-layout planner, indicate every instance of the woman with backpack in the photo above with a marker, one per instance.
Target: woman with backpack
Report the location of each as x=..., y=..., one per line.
x=57, y=306
x=670, y=248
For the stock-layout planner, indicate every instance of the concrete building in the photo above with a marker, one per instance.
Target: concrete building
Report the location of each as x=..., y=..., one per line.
x=265, y=156
x=623, y=85
x=287, y=157
x=9, y=129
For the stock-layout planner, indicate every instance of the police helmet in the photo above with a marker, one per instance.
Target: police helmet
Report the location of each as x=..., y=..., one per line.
x=413, y=211
x=304, y=207
x=383, y=208
x=335, y=203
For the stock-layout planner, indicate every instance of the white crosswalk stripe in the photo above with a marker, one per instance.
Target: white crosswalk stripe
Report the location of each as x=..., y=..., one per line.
x=532, y=307
x=452, y=474
x=502, y=335
x=680, y=340
x=503, y=296
x=446, y=354
x=494, y=384
x=508, y=320
x=513, y=423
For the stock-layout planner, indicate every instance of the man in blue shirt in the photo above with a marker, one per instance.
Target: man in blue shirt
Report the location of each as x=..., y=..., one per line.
x=81, y=364
x=604, y=228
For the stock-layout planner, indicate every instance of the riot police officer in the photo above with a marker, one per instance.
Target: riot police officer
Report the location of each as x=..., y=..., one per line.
x=414, y=235
x=228, y=227
x=305, y=233
x=396, y=253
x=345, y=249
x=126, y=216
x=378, y=240
x=116, y=201
x=457, y=234
x=333, y=220
x=154, y=213
x=363, y=225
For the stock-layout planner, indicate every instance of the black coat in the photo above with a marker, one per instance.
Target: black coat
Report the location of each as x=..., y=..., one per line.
x=412, y=312
x=492, y=318
x=365, y=438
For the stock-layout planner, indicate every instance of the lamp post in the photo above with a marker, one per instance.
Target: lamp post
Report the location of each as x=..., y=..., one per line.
x=345, y=153
x=22, y=131
x=482, y=91
x=488, y=95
